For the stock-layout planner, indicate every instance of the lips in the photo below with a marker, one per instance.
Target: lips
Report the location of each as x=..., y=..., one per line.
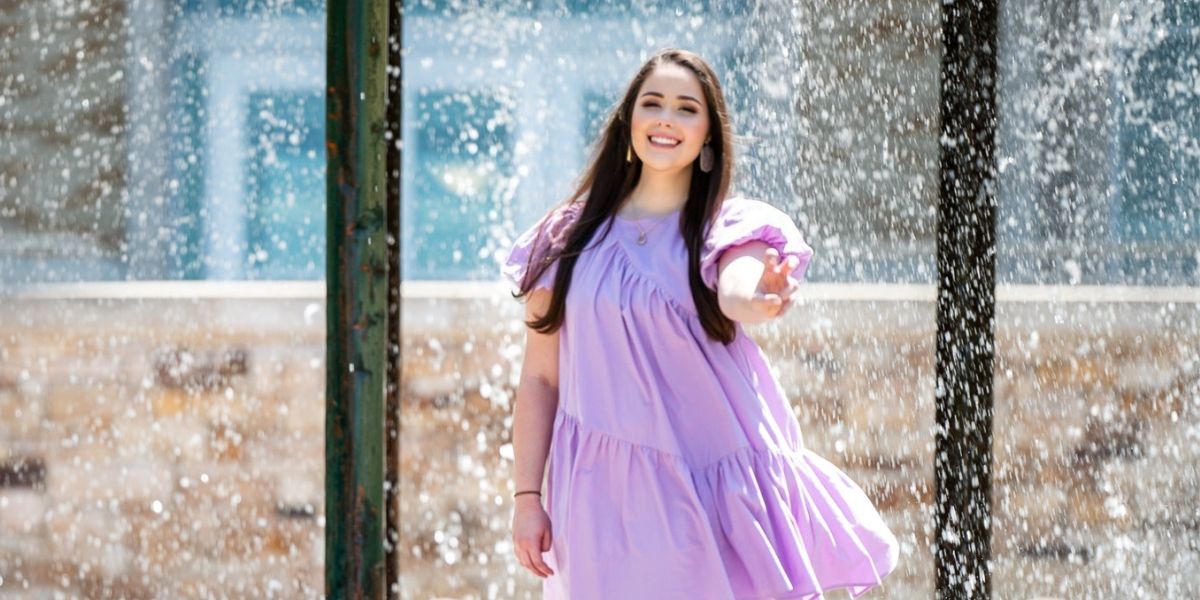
x=674, y=141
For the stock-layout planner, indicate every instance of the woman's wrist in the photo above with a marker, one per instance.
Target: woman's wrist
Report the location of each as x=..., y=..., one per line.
x=528, y=499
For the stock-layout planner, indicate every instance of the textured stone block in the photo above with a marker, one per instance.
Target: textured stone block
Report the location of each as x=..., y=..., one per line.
x=142, y=480
x=22, y=512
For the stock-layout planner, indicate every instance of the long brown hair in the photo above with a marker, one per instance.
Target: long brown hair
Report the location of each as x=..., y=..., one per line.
x=608, y=180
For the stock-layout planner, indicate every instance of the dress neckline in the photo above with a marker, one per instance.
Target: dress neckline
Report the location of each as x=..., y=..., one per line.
x=648, y=231
x=647, y=218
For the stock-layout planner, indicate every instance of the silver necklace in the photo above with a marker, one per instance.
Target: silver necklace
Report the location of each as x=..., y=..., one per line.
x=642, y=232
x=641, y=240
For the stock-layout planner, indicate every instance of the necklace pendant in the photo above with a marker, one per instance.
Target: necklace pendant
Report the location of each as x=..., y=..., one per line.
x=642, y=238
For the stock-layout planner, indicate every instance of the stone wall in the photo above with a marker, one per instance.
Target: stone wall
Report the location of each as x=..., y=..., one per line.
x=163, y=448
x=1097, y=419
x=1097, y=436
x=156, y=448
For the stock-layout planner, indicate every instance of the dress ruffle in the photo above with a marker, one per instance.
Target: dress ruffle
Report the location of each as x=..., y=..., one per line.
x=794, y=523
x=539, y=240
x=745, y=220
x=753, y=525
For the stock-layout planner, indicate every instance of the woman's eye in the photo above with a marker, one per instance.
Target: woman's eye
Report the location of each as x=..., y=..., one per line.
x=655, y=105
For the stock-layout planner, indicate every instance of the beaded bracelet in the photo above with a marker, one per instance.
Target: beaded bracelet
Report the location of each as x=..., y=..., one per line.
x=527, y=492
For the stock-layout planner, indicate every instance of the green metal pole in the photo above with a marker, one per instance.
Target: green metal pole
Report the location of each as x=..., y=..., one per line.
x=356, y=299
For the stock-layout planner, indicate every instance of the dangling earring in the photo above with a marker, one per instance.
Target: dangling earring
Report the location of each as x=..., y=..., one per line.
x=706, y=158
x=629, y=153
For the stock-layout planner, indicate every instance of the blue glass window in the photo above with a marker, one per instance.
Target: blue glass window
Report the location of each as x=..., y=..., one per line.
x=1156, y=173
x=285, y=186
x=188, y=167
x=462, y=144
x=1158, y=181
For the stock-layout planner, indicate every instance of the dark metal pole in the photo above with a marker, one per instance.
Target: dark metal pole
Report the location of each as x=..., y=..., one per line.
x=356, y=299
x=395, y=98
x=965, y=300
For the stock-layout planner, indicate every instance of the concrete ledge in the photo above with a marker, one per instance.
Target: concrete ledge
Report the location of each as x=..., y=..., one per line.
x=485, y=290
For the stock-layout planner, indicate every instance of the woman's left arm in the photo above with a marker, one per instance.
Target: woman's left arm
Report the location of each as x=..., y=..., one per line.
x=753, y=285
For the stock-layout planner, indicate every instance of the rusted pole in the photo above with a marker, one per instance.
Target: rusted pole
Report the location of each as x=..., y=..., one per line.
x=356, y=299
x=966, y=266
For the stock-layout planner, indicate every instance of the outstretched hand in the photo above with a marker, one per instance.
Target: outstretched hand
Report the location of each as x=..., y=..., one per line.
x=776, y=288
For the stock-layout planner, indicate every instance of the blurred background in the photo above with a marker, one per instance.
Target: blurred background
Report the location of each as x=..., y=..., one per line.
x=162, y=265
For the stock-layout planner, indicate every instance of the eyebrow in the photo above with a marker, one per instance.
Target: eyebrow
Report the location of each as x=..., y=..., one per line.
x=681, y=97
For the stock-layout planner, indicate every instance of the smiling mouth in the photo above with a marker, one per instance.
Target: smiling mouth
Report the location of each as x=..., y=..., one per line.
x=663, y=142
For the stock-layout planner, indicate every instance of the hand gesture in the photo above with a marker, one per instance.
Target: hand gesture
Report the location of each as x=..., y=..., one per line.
x=776, y=288
x=531, y=535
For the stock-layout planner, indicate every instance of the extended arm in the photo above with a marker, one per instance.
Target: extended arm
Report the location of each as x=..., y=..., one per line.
x=753, y=286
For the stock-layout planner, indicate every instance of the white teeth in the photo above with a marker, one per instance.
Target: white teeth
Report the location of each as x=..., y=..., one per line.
x=662, y=140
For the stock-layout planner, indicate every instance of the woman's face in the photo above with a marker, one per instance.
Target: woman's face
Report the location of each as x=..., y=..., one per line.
x=670, y=119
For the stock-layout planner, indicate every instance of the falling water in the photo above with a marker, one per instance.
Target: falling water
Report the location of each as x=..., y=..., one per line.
x=162, y=251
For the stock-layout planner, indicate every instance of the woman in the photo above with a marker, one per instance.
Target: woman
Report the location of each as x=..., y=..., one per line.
x=675, y=466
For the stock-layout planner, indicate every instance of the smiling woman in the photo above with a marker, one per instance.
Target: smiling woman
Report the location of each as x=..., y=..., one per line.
x=674, y=465
x=669, y=129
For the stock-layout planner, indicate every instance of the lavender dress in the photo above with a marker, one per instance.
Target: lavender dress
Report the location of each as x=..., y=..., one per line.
x=676, y=467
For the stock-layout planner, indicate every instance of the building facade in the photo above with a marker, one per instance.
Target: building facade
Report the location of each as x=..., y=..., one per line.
x=188, y=144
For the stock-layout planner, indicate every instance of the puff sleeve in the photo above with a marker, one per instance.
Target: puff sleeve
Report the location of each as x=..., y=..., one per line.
x=537, y=243
x=743, y=220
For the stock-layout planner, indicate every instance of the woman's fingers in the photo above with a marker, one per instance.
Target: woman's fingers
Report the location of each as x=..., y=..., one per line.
x=530, y=559
x=533, y=556
x=770, y=262
x=529, y=554
x=542, y=569
x=788, y=266
x=776, y=303
x=546, y=548
x=789, y=295
x=783, y=269
x=793, y=287
x=768, y=304
x=521, y=546
x=771, y=259
x=523, y=558
x=776, y=287
x=784, y=308
x=776, y=272
x=767, y=299
x=531, y=563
